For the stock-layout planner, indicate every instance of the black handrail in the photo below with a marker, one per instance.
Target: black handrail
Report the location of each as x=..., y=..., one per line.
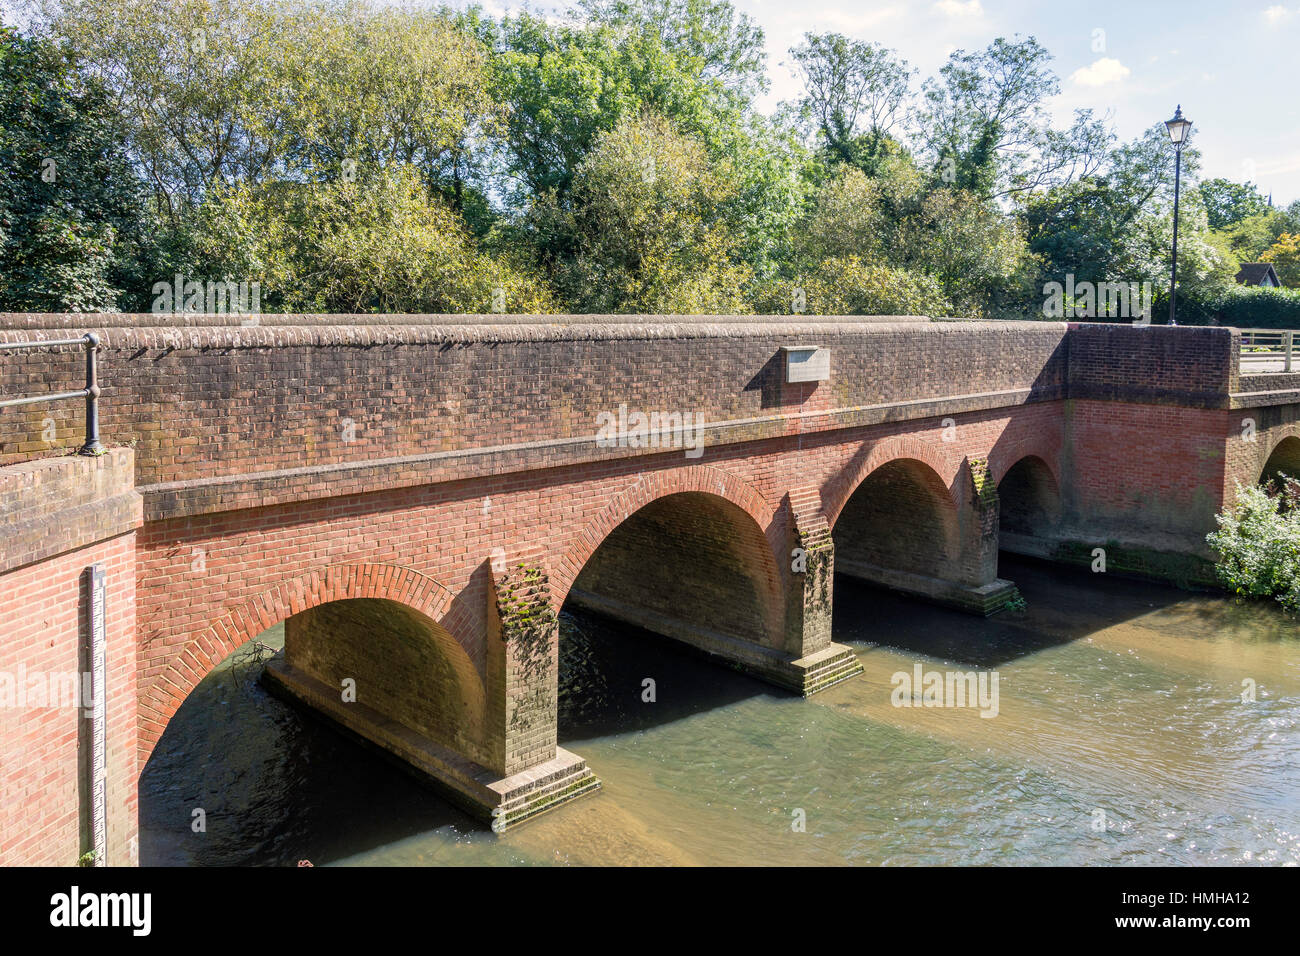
x=90, y=341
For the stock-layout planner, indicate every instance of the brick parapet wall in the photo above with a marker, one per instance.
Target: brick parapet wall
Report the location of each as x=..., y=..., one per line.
x=1157, y=364
x=310, y=410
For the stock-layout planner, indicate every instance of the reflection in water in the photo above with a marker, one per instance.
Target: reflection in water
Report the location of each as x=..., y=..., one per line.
x=1114, y=695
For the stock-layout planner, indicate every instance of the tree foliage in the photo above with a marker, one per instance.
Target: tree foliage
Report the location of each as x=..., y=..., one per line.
x=73, y=228
x=1285, y=256
x=357, y=155
x=1228, y=203
x=1258, y=542
x=646, y=227
x=856, y=92
x=380, y=243
x=984, y=123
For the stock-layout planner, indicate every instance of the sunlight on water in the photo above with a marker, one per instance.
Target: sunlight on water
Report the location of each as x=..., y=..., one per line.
x=1114, y=696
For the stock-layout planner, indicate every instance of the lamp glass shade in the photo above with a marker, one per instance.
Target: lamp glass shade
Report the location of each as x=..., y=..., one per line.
x=1178, y=128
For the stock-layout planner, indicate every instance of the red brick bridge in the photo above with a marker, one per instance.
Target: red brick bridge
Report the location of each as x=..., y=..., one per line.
x=417, y=497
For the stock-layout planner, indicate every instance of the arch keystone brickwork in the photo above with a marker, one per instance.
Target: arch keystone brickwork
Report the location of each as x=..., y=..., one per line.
x=944, y=460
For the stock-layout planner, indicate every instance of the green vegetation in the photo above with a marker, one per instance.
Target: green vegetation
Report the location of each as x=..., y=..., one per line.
x=1258, y=542
x=350, y=155
x=73, y=217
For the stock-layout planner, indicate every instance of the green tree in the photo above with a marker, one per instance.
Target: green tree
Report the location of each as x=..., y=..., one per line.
x=380, y=243
x=73, y=228
x=646, y=226
x=851, y=285
x=949, y=251
x=855, y=92
x=1252, y=236
x=695, y=62
x=1259, y=544
x=1228, y=203
x=218, y=92
x=374, y=87
x=708, y=39
x=986, y=128
x=1285, y=256
x=974, y=252
x=1116, y=225
x=186, y=78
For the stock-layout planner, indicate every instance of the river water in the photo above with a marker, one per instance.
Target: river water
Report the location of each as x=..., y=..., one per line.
x=1121, y=736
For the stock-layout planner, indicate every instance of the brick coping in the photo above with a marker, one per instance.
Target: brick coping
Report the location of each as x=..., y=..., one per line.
x=582, y=328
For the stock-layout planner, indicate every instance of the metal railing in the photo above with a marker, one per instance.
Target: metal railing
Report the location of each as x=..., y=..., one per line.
x=89, y=341
x=1268, y=350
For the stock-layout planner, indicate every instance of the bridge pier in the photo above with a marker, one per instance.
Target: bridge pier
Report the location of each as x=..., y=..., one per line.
x=810, y=585
x=533, y=773
x=396, y=679
x=504, y=800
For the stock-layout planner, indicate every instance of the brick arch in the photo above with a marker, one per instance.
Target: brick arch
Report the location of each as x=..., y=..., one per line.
x=1029, y=499
x=1055, y=482
x=1289, y=433
x=1005, y=457
x=209, y=646
x=945, y=464
x=702, y=479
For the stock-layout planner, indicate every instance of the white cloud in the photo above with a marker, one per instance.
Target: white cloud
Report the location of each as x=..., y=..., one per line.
x=958, y=8
x=1274, y=167
x=1103, y=72
x=1277, y=14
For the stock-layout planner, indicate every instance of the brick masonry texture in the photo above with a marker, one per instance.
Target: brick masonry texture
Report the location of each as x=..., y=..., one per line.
x=407, y=663
x=204, y=403
x=50, y=537
x=441, y=484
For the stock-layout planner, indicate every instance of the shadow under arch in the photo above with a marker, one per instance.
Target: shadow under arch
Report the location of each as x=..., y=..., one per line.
x=1029, y=508
x=424, y=603
x=647, y=489
x=945, y=466
x=683, y=564
x=276, y=783
x=900, y=517
x=691, y=565
x=1283, y=458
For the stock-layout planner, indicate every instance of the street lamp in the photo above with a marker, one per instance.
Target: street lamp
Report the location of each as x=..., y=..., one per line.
x=1178, y=130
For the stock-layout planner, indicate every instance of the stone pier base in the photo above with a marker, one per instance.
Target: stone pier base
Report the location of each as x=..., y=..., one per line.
x=987, y=599
x=1151, y=556
x=504, y=802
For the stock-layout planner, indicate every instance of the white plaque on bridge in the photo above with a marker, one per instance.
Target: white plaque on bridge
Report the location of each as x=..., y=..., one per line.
x=807, y=363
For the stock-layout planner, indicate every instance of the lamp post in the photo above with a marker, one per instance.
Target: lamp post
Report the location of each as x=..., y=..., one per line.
x=1178, y=129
